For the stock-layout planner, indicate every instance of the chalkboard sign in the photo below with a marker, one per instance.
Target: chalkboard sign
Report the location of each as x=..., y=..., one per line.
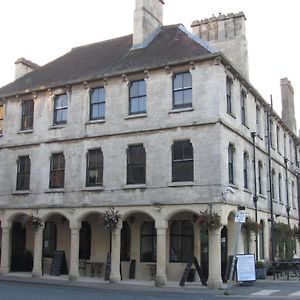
x=59, y=264
x=245, y=268
x=132, y=269
x=192, y=260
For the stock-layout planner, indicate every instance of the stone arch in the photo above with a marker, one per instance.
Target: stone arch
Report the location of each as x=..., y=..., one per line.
x=48, y=214
x=127, y=212
x=81, y=216
x=13, y=215
x=176, y=211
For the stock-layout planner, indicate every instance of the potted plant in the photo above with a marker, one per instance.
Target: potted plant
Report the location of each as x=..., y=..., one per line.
x=209, y=219
x=110, y=218
x=260, y=270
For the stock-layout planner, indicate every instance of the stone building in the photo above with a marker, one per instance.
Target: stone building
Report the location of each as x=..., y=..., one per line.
x=161, y=125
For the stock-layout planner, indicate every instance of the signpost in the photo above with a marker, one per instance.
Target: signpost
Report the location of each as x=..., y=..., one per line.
x=240, y=218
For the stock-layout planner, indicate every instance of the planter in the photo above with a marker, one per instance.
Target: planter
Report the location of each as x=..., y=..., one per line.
x=261, y=273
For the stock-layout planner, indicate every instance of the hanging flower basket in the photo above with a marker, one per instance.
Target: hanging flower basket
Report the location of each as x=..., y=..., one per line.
x=250, y=225
x=34, y=222
x=209, y=219
x=110, y=218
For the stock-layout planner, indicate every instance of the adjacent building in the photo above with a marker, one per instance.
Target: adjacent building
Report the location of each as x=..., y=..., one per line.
x=161, y=125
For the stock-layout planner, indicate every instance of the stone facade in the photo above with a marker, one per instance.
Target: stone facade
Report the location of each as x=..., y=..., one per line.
x=206, y=124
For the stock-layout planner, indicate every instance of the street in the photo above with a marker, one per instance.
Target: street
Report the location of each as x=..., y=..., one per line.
x=33, y=291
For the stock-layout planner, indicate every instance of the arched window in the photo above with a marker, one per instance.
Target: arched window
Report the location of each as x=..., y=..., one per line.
x=148, y=242
x=85, y=241
x=125, y=242
x=181, y=241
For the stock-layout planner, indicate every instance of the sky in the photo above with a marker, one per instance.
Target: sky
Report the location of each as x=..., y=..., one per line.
x=42, y=30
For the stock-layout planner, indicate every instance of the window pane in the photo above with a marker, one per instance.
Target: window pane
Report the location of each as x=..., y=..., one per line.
x=101, y=110
x=188, y=150
x=64, y=115
x=178, y=98
x=64, y=101
x=134, y=89
x=142, y=104
x=187, y=80
x=177, y=81
x=187, y=96
x=134, y=105
x=187, y=227
x=178, y=151
x=183, y=171
x=142, y=88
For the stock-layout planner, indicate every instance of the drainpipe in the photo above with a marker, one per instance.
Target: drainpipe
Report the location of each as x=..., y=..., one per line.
x=270, y=182
x=288, y=208
x=255, y=197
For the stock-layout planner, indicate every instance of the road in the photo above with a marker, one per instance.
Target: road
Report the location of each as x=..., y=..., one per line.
x=260, y=290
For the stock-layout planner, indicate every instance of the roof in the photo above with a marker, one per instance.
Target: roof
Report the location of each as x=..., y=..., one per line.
x=112, y=57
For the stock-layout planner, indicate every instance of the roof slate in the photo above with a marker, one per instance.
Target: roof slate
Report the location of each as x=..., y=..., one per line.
x=109, y=58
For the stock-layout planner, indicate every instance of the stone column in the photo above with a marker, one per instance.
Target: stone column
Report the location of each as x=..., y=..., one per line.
x=5, y=250
x=161, y=257
x=74, y=253
x=197, y=246
x=115, y=276
x=38, y=252
x=214, y=278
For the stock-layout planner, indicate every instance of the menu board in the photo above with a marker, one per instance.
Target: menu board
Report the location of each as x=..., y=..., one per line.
x=245, y=268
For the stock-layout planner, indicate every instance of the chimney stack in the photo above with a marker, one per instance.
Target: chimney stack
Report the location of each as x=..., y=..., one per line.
x=24, y=66
x=288, y=107
x=227, y=34
x=148, y=19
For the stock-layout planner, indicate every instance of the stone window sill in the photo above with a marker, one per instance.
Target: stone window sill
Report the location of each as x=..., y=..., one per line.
x=232, y=115
x=262, y=196
x=179, y=110
x=247, y=191
x=134, y=186
x=93, y=189
x=49, y=191
x=91, y=122
x=181, y=183
x=57, y=126
x=21, y=192
x=136, y=116
x=25, y=131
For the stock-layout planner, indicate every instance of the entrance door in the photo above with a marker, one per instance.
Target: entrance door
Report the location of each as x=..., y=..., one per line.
x=21, y=259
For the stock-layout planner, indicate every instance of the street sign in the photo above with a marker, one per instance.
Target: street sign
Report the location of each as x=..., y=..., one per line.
x=240, y=217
